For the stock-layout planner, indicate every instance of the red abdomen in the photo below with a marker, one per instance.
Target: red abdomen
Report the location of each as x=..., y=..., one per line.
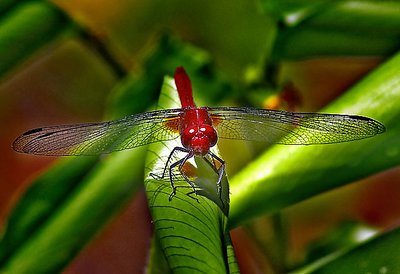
x=184, y=87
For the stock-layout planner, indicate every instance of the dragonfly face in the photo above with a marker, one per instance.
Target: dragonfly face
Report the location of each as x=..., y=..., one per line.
x=197, y=132
x=199, y=139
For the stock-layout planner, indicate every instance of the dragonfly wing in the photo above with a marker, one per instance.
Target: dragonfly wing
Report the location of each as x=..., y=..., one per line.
x=97, y=138
x=274, y=126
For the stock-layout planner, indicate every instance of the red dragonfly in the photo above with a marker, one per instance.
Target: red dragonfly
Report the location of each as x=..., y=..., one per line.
x=198, y=128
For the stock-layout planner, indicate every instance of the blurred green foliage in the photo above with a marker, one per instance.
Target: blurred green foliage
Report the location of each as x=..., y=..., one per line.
x=233, y=53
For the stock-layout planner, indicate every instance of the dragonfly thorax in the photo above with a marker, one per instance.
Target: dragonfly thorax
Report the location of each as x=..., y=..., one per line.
x=199, y=139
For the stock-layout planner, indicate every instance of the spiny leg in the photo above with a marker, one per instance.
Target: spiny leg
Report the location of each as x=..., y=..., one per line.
x=171, y=179
x=175, y=149
x=181, y=163
x=220, y=171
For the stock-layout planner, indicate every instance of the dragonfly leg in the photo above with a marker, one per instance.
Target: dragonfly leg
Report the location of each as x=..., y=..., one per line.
x=180, y=165
x=180, y=162
x=158, y=177
x=220, y=171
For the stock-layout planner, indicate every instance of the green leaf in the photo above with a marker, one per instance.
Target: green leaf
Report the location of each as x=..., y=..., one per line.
x=55, y=241
x=25, y=29
x=338, y=240
x=285, y=175
x=294, y=12
x=40, y=200
x=65, y=207
x=192, y=229
x=335, y=28
x=379, y=255
x=157, y=263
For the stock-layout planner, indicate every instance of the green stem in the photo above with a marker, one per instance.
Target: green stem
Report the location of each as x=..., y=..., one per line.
x=346, y=28
x=25, y=29
x=284, y=175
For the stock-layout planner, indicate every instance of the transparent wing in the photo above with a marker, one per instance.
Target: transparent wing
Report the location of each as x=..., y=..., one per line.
x=290, y=128
x=104, y=137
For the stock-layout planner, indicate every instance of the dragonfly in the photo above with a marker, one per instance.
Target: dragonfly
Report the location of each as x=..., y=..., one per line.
x=199, y=129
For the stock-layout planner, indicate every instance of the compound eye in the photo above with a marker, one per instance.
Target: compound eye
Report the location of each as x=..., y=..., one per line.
x=187, y=135
x=211, y=134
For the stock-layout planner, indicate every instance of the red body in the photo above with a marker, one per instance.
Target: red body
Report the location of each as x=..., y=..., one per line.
x=196, y=130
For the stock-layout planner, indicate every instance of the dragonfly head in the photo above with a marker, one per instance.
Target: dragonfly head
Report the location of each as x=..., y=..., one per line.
x=199, y=139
